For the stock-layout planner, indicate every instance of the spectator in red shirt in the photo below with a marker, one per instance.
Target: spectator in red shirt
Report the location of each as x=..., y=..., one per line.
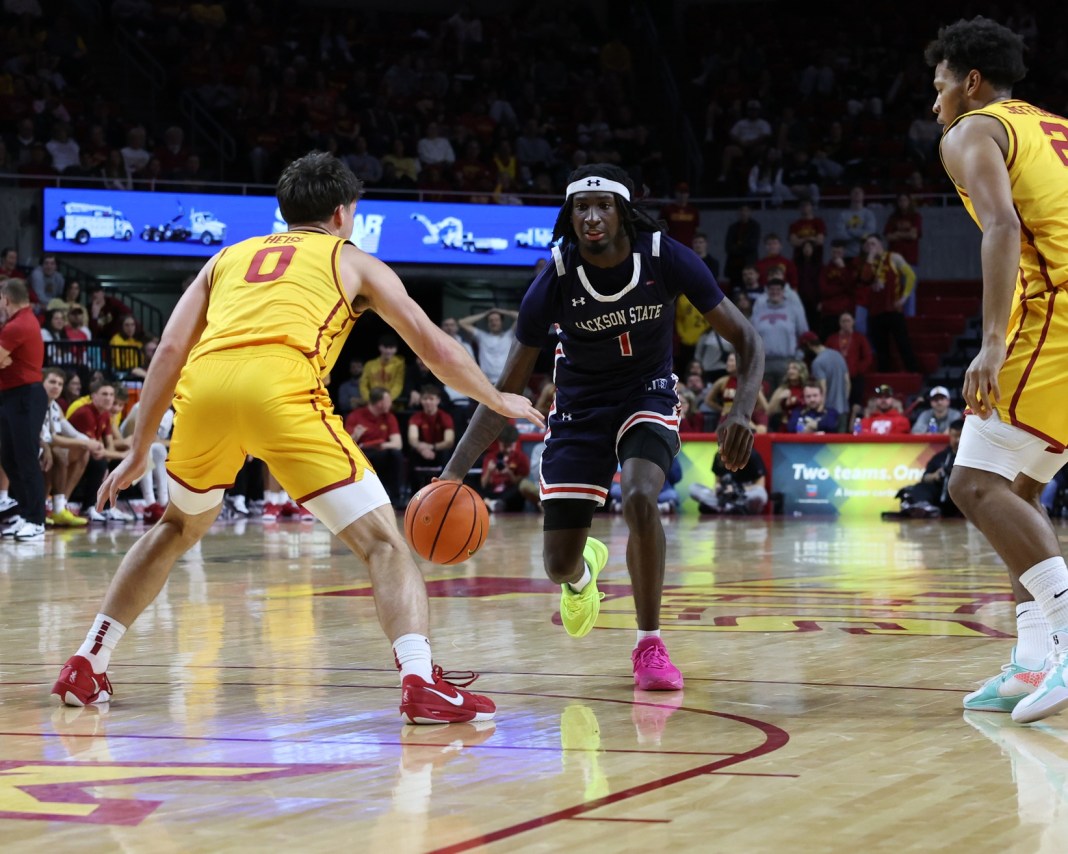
x=837, y=289
x=856, y=350
x=807, y=227
x=95, y=421
x=375, y=429
x=886, y=418
x=903, y=230
x=431, y=436
x=9, y=264
x=23, y=404
x=503, y=468
x=682, y=218
x=775, y=265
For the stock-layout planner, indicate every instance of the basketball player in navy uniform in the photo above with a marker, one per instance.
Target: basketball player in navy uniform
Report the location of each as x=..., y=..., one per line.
x=609, y=295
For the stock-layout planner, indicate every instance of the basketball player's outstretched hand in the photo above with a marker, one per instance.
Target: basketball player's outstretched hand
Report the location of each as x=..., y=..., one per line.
x=981, y=391
x=517, y=406
x=124, y=474
x=735, y=442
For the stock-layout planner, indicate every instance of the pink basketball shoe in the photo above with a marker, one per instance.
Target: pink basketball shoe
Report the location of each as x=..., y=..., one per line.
x=653, y=670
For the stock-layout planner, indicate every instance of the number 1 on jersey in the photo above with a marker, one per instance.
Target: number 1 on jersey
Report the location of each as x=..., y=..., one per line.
x=624, y=344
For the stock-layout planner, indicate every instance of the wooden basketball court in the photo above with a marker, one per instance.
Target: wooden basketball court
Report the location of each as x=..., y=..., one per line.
x=256, y=702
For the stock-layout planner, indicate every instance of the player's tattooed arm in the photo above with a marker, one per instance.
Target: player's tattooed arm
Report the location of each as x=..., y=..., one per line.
x=486, y=424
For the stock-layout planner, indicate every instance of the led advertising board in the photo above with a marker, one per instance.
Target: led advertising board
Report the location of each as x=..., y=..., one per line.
x=117, y=222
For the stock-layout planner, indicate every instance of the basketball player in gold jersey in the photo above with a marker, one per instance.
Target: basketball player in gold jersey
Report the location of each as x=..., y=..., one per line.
x=242, y=357
x=1009, y=162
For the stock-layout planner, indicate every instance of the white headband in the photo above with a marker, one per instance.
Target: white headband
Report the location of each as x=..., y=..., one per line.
x=593, y=184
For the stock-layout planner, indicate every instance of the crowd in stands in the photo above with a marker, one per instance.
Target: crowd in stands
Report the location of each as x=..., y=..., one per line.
x=501, y=106
x=831, y=300
x=82, y=331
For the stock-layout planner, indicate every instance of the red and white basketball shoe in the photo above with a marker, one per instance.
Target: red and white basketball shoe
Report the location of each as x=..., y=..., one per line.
x=443, y=701
x=78, y=685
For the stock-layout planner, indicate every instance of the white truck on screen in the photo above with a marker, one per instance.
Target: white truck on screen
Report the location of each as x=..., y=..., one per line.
x=81, y=222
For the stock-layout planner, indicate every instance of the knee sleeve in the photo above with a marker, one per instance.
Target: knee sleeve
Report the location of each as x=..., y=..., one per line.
x=649, y=442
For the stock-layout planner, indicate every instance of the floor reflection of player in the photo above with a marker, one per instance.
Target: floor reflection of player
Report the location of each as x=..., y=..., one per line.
x=580, y=745
x=650, y=713
x=1039, y=761
x=424, y=752
x=610, y=292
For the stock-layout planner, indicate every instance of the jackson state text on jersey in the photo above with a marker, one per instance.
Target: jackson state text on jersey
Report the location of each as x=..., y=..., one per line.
x=614, y=325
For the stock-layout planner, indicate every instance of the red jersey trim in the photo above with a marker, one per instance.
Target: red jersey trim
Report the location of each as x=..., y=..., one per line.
x=194, y=489
x=1019, y=329
x=1030, y=365
x=1043, y=267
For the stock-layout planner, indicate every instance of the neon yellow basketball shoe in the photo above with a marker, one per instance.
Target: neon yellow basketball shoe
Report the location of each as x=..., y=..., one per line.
x=578, y=611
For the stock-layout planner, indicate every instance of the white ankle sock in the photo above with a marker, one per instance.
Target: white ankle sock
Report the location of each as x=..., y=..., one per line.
x=413, y=656
x=587, y=577
x=101, y=641
x=1047, y=581
x=1032, y=636
x=643, y=635
x=59, y=502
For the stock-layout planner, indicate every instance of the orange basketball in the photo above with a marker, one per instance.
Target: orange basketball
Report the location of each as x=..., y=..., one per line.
x=446, y=522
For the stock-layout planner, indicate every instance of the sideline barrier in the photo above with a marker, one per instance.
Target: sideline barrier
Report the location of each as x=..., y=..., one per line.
x=831, y=475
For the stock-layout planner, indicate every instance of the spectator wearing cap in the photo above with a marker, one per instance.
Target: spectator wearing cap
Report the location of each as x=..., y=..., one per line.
x=386, y=371
x=930, y=498
x=886, y=417
x=830, y=369
x=941, y=414
x=682, y=217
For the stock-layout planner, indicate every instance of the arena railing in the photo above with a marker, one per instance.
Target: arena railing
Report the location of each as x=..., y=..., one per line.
x=388, y=193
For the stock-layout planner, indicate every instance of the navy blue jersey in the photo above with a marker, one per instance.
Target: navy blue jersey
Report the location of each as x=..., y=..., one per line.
x=614, y=325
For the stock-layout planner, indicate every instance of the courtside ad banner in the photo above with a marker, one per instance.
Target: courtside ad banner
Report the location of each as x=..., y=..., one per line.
x=846, y=479
x=117, y=222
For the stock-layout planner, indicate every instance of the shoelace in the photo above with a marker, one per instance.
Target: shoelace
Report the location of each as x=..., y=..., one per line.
x=575, y=602
x=653, y=655
x=454, y=677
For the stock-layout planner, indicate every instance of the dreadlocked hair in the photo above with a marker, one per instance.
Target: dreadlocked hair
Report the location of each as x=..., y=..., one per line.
x=634, y=218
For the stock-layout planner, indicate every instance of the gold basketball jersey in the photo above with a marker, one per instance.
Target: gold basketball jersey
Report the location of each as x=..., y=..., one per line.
x=1032, y=377
x=1037, y=161
x=279, y=289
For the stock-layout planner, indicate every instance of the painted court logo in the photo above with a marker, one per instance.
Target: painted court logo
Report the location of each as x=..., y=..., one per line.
x=59, y=791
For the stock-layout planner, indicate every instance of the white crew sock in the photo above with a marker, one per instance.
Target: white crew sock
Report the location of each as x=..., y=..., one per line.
x=643, y=635
x=148, y=488
x=59, y=503
x=3, y=495
x=413, y=656
x=1047, y=581
x=1032, y=636
x=587, y=577
x=101, y=641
